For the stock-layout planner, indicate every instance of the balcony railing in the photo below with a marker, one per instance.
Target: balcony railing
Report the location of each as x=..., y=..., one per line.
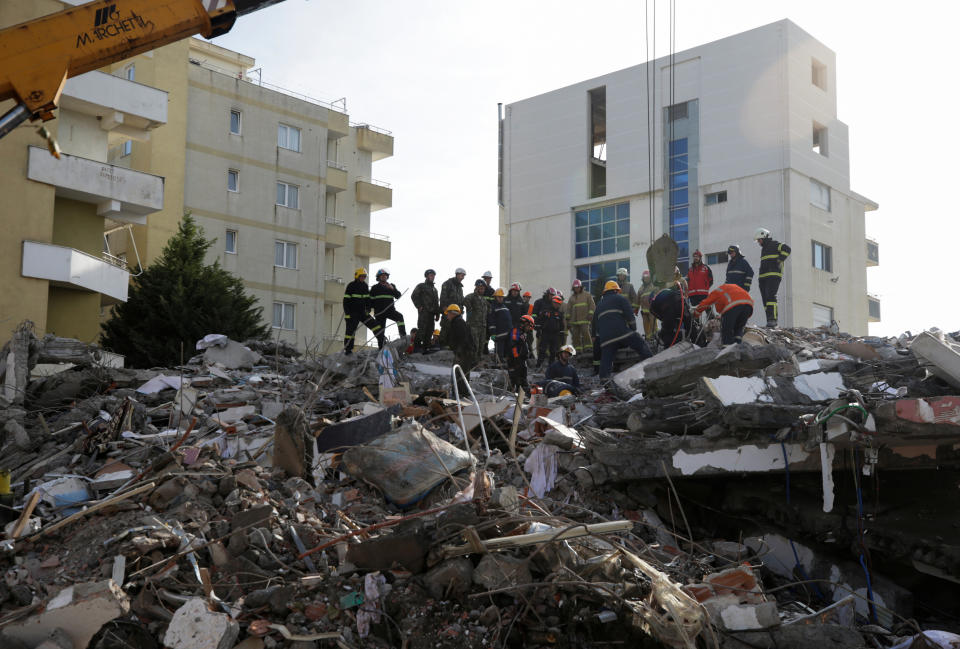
x=370, y=127
x=373, y=181
x=337, y=165
x=372, y=235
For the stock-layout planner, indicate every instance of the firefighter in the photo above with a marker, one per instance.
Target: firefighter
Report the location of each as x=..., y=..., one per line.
x=539, y=305
x=735, y=307
x=626, y=288
x=427, y=301
x=458, y=337
x=561, y=376
x=615, y=326
x=739, y=271
x=527, y=305
x=518, y=352
x=477, y=312
x=579, y=312
x=499, y=324
x=643, y=297
x=772, y=255
x=672, y=310
x=383, y=296
x=514, y=302
x=356, y=310
x=699, y=279
x=552, y=331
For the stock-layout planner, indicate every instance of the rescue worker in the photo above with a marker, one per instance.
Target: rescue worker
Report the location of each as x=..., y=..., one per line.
x=644, y=295
x=499, y=324
x=673, y=312
x=772, y=255
x=489, y=290
x=427, y=301
x=739, y=271
x=561, y=375
x=539, y=305
x=552, y=331
x=518, y=351
x=579, y=312
x=514, y=302
x=458, y=337
x=735, y=307
x=699, y=279
x=356, y=310
x=527, y=305
x=615, y=326
x=477, y=312
x=626, y=288
x=451, y=291
x=383, y=296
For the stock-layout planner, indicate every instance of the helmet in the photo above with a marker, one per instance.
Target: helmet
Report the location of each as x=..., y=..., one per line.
x=453, y=307
x=761, y=233
x=480, y=282
x=487, y=273
x=733, y=248
x=611, y=286
x=358, y=272
x=569, y=349
x=577, y=283
x=515, y=286
x=498, y=293
x=459, y=271
x=551, y=291
x=645, y=274
x=527, y=294
x=622, y=271
x=429, y=271
x=383, y=271
x=527, y=319
x=560, y=293
x=436, y=332
x=697, y=253
x=557, y=299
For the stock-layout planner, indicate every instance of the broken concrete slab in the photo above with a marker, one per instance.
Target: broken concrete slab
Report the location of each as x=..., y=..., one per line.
x=195, y=626
x=80, y=609
x=803, y=389
x=353, y=431
x=679, y=373
x=500, y=571
x=625, y=379
x=940, y=353
x=452, y=578
x=293, y=444
x=232, y=355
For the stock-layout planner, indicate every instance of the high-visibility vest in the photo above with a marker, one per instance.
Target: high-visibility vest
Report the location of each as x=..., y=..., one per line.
x=725, y=297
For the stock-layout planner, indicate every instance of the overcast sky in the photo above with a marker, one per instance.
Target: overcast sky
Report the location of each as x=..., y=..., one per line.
x=433, y=71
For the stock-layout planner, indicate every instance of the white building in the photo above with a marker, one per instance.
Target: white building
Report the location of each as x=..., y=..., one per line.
x=743, y=133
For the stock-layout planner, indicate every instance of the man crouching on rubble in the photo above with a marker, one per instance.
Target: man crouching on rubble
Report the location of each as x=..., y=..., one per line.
x=615, y=326
x=735, y=307
x=561, y=377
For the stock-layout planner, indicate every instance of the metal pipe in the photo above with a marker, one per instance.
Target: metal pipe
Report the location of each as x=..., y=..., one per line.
x=14, y=118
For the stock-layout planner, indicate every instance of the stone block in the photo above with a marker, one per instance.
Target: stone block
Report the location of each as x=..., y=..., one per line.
x=500, y=571
x=195, y=626
x=452, y=578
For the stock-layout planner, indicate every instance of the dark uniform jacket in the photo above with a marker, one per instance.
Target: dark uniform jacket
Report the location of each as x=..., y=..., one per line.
x=560, y=371
x=499, y=321
x=516, y=306
x=518, y=350
x=772, y=255
x=425, y=297
x=613, y=320
x=356, y=299
x=550, y=321
x=383, y=297
x=451, y=292
x=739, y=272
x=458, y=337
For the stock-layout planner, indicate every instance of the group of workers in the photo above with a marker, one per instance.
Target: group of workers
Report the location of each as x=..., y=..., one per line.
x=517, y=324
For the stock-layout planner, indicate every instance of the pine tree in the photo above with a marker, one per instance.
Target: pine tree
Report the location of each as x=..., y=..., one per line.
x=180, y=299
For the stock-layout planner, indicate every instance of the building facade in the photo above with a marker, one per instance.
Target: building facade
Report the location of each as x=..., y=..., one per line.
x=736, y=134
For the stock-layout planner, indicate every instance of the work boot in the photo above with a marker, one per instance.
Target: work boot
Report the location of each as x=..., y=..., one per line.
x=771, y=324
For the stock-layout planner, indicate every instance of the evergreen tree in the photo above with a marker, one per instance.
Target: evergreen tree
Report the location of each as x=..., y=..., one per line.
x=180, y=299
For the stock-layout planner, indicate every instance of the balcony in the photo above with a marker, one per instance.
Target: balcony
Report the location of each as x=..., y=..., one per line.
x=120, y=194
x=377, y=141
x=333, y=287
x=376, y=247
x=873, y=253
x=336, y=234
x=338, y=124
x=375, y=193
x=125, y=108
x=873, y=308
x=336, y=179
x=71, y=268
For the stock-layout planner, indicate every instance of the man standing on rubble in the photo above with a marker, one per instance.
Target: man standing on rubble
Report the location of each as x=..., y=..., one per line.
x=477, y=312
x=699, y=279
x=552, y=333
x=458, y=337
x=579, y=312
x=772, y=255
x=427, y=301
x=514, y=302
x=356, y=310
x=735, y=307
x=517, y=354
x=383, y=296
x=626, y=288
x=739, y=271
x=615, y=326
x=499, y=324
x=527, y=306
x=451, y=291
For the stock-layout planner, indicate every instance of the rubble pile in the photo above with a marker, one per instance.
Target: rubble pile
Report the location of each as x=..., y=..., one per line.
x=706, y=497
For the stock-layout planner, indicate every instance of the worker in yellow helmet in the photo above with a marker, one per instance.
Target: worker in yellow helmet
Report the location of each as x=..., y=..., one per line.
x=458, y=337
x=615, y=326
x=356, y=310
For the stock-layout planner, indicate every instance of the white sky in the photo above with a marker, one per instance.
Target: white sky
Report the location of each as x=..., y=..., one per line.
x=433, y=71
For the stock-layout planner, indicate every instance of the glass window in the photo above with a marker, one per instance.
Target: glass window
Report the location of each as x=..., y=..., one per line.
x=131, y=72
x=623, y=227
x=678, y=196
x=580, y=218
x=679, y=215
x=623, y=211
x=609, y=229
x=235, y=122
x=592, y=274
x=127, y=148
x=822, y=256
x=581, y=234
x=233, y=180
x=609, y=213
x=230, y=242
x=678, y=163
x=582, y=250
x=822, y=315
x=715, y=197
x=678, y=147
x=679, y=180
x=623, y=244
x=285, y=254
x=819, y=195
x=683, y=249
x=284, y=315
x=598, y=231
x=595, y=248
x=679, y=232
x=288, y=195
x=594, y=217
x=609, y=246
x=288, y=137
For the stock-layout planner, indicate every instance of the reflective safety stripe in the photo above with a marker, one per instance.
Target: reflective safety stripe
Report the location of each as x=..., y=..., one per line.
x=381, y=297
x=731, y=272
x=346, y=316
x=735, y=303
x=609, y=311
x=349, y=337
x=698, y=291
x=771, y=274
x=620, y=337
x=770, y=257
x=579, y=322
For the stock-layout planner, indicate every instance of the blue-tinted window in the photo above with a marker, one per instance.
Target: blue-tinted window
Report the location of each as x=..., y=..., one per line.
x=683, y=249
x=581, y=235
x=623, y=227
x=590, y=274
x=594, y=217
x=582, y=250
x=601, y=231
x=679, y=180
x=678, y=147
x=581, y=218
x=678, y=163
x=609, y=246
x=623, y=211
x=595, y=231
x=609, y=229
x=595, y=248
x=679, y=216
x=678, y=196
x=623, y=244
x=609, y=213
x=679, y=232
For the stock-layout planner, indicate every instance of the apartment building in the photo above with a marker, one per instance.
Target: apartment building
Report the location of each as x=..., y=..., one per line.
x=56, y=213
x=729, y=136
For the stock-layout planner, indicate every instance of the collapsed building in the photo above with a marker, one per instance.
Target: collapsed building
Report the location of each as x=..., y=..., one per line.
x=794, y=490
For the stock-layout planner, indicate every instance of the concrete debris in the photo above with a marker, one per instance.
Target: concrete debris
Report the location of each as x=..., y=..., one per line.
x=795, y=490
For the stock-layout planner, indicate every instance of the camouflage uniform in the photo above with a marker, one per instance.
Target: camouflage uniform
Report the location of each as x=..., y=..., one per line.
x=477, y=311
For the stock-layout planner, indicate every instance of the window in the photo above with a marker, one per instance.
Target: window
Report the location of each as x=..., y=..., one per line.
x=288, y=137
x=602, y=230
x=285, y=254
x=873, y=308
x=677, y=111
x=235, y=122
x=818, y=74
x=230, y=242
x=717, y=258
x=822, y=315
x=822, y=256
x=715, y=197
x=873, y=252
x=127, y=148
x=820, y=139
x=233, y=180
x=593, y=274
x=284, y=315
x=819, y=195
x=288, y=195
x=130, y=73
x=679, y=197
x=598, y=141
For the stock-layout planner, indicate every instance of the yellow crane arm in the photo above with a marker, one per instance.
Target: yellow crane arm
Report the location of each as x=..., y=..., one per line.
x=38, y=56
